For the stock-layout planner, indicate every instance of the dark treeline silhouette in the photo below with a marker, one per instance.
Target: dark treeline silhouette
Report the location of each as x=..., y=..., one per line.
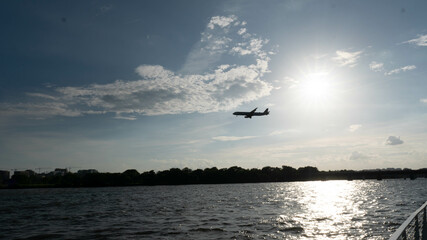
x=213, y=175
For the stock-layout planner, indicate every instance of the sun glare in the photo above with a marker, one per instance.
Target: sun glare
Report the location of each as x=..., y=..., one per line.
x=316, y=89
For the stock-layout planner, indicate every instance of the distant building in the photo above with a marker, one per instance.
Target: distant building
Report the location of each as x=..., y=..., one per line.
x=87, y=171
x=4, y=176
x=60, y=171
x=26, y=173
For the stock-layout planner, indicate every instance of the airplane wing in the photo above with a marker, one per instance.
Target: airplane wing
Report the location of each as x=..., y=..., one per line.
x=250, y=114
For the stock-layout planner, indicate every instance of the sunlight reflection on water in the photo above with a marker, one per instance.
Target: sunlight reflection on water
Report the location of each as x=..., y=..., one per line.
x=298, y=210
x=331, y=205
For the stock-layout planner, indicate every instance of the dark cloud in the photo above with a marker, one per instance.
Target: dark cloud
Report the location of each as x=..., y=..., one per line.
x=393, y=140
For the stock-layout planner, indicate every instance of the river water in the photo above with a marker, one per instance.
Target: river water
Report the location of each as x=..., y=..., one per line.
x=297, y=210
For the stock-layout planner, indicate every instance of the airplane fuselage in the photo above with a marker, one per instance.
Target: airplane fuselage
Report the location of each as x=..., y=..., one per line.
x=252, y=113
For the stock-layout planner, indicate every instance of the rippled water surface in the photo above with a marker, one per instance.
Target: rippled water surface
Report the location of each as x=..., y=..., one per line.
x=299, y=210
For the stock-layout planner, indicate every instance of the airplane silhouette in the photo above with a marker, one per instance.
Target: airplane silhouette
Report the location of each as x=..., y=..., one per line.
x=252, y=113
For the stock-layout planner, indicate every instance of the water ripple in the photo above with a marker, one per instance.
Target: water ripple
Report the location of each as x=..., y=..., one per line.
x=299, y=210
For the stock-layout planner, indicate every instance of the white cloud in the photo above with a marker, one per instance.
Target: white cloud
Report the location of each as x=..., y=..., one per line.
x=254, y=47
x=231, y=138
x=153, y=72
x=221, y=21
x=402, y=69
x=41, y=95
x=393, y=140
x=208, y=87
x=423, y=100
x=420, y=41
x=379, y=67
x=354, y=127
x=344, y=58
x=376, y=67
x=131, y=118
x=241, y=31
x=218, y=41
x=281, y=132
x=169, y=93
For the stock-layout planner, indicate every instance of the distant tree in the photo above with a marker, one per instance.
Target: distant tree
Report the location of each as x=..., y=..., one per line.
x=148, y=178
x=308, y=173
x=129, y=177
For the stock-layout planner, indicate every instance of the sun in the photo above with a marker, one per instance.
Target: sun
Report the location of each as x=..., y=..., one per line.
x=317, y=89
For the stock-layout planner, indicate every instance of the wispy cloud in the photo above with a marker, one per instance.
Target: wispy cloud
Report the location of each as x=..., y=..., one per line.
x=281, y=132
x=423, y=100
x=224, y=35
x=231, y=138
x=402, y=69
x=253, y=47
x=376, y=66
x=41, y=95
x=393, y=140
x=39, y=110
x=354, y=127
x=208, y=87
x=221, y=21
x=379, y=67
x=131, y=118
x=344, y=58
x=290, y=82
x=241, y=31
x=421, y=40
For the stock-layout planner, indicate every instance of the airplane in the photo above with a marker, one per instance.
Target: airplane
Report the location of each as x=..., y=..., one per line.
x=252, y=113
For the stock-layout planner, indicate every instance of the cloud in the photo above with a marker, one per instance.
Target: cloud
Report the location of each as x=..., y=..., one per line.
x=241, y=31
x=420, y=41
x=153, y=72
x=163, y=92
x=379, y=67
x=354, y=127
x=208, y=87
x=254, y=46
x=41, y=95
x=376, y=67
x=393, y=140
x=290, y=82
x=226, y=39
x=39, y=110
x=402, y=69
x=344, y=58
x=231, y=138
x=281, y=132
x=221, y=21
x=423, y=100
x=131, y=118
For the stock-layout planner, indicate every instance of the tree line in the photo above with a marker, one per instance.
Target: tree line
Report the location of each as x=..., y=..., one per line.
x=176, y=176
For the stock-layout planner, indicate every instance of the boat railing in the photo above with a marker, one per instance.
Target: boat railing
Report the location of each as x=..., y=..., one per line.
x=414, y=228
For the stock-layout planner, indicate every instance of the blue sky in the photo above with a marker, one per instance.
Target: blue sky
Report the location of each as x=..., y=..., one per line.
x=148, y=85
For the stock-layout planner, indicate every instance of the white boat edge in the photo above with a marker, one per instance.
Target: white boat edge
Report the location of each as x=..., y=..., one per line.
x=401, y=231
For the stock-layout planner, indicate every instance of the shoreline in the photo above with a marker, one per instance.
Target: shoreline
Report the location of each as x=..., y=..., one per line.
x=187, y=176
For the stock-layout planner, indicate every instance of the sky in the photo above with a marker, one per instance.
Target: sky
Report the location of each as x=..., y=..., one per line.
x=152, y=85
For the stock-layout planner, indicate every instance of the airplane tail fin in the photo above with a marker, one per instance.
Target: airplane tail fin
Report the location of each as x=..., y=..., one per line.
x=266, y=112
